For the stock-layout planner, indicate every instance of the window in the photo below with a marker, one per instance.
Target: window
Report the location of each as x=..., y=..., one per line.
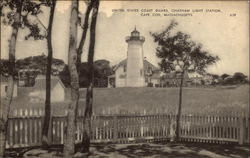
x=6, y=88
x=124, y=68
x=141, y=72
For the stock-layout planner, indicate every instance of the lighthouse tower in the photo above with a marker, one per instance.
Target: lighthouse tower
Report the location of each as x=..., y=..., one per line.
x=135, y=70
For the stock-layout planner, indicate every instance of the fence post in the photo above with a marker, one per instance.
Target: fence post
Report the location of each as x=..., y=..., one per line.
x=115, y=129
x=50, y=132
x=242, y=134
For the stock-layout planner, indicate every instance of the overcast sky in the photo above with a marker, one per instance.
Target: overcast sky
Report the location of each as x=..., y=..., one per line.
x=221, y=34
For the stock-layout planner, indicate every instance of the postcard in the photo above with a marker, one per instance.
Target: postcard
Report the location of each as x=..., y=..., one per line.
x=124, y=78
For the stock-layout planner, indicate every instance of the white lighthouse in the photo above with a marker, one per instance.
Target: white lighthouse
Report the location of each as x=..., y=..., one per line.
x=135, y=70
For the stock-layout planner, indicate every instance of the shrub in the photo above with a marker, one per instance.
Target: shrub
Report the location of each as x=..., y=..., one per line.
x=150, y=84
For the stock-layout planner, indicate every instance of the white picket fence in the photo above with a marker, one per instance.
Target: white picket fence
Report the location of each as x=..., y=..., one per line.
x=24, y=129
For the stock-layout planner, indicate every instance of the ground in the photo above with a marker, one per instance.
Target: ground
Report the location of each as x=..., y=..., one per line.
x=155, y=150
x=161, y=100
x=199, y=100
x=210, y=100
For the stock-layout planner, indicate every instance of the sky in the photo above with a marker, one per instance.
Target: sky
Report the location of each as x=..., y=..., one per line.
x=221, y=34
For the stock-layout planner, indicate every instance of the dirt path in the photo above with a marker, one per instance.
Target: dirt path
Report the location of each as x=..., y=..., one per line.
x=155, y=150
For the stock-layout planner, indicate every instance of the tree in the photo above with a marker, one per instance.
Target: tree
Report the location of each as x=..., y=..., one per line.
x=215, y=77
x=4, y=66
x=224, y=76
x=5, y=104
x=101, y=73
x=69, y=145
x=33, y=8
x=239, y=77
x=38, y=63
x=65, y=76
x=229, y=81
x=102, y=70
x=179, y=53
x=84, y=32
x=84, y=27
x=89, y=94
x=46, y=122
x=82, y=42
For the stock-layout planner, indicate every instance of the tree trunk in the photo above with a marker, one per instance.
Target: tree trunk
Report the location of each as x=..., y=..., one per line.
x=5, y=104
x=89, y=95
x=84, y=34
x=87, y=119
x=177, y=132
x=69, y=145
x=47, y=117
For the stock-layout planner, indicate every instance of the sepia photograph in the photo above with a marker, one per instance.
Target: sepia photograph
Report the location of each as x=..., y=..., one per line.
x=124, y=78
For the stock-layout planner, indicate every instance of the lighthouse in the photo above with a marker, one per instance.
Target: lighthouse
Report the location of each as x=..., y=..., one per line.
x=135, y=71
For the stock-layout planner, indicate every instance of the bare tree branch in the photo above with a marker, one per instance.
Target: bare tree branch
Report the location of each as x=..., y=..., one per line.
x=46, y=29
x=84, y=33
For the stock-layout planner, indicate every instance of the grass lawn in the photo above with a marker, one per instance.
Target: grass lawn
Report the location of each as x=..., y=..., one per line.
x=159, y=100
x=195, y=100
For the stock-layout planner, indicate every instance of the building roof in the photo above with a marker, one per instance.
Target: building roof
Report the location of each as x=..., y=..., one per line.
x=145, y=64
x=40, y=82
x=148, y=64
x=24, y=100
x=122, y=63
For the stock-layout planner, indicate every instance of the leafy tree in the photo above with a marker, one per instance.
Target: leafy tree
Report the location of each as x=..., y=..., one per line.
x=229, y=81
x=38, y=62
x=5, y=104
x=223, y=76
x=4, y=66
x=102, y=70
x=239, y=77
x=65, y=77
x=179, y=53
x=215, y=79
x=15, y=14
x=69, y=145
x=33, y=8
x=101, y=73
